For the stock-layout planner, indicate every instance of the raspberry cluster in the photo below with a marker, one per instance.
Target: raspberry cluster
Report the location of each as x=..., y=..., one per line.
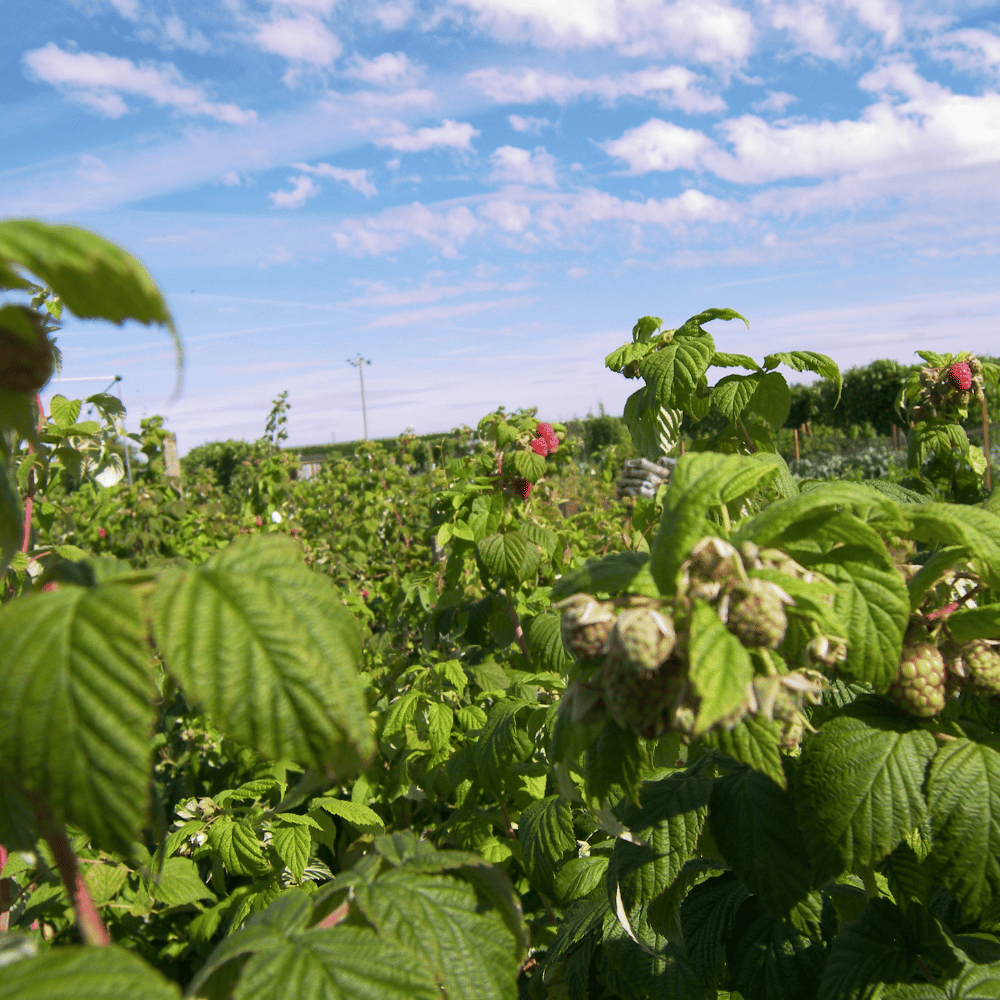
x=633, y=651
x=955, y=384
x=543, y=444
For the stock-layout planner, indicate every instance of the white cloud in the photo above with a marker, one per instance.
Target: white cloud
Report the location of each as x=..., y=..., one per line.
x=435, y=314
x=303, y=39
x=322, y=7
x=395, y=228
x=521, y=123
x=660, y=145
x=231, y=179
x=394, y=15
x=303, y=187
x=512, y=165
x=776, y=100
x=671, y=86
x=448, y=135
x=360, y=180
x=807, y=23
x=823, y=28
x=168, y=33
x=512, y=216
x=970, y=50
x=706, y=31
x=173, y=32
x=384, y=70
x=98, y=81
x=378, y=294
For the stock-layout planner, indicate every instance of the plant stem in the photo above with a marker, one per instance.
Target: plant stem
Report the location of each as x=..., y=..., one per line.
x=724, y=514
x=868, y=878
x=746, y=436
x=88, y=922
x=506, y=818
x=922, y=965
x=4, y=894
x=515, y=621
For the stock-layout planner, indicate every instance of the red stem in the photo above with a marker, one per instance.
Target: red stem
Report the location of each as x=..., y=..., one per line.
x=336, y=916
x=4, y=894
x=518, y=631
x=88, y=922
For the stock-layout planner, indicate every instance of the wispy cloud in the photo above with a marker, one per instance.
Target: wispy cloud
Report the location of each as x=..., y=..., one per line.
x=360, y=180
x=512, y=165
x=448, y=135
x=302, y=39
x=437, y=313
x=303, y=188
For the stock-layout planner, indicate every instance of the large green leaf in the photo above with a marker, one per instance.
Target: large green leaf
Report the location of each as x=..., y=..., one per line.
x=666, y=827
x=237, y=847
x=468, y=950
x=707, y=914
x=76, y=714
x=529, y=465
x=874, y=604
x=614, y=574
x=859, y=786
x=772, y=399
x=73, y=973
x=963, y=792
x=731, y=394
x=753, y=823
x=673, y=373
x=976, y=529
x=752, y=741
x=655, y=429
x=545, y=643
x=719, y=667
x=508, y=556
x=974, y=982
x=11, y=521
x=176, y=883
x=627, y=354
x=975, y=623
x=699, y=483
x=616, y=758
x=879, y=947
x=722, y=359
x=807, y=361
x=269, y=650
x=545, y=832
x=497, y=748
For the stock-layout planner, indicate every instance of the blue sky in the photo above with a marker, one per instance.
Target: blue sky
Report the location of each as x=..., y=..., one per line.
x=481, y=196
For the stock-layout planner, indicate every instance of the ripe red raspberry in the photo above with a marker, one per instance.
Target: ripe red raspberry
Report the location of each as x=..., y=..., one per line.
x=540, y=447
x=545, y=431
x=523, y=487
x=960, y=376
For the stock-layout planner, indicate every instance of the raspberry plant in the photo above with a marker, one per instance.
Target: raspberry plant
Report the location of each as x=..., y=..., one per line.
x=423, y=736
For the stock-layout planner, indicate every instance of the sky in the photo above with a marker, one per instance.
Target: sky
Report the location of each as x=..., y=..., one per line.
x=481, y=197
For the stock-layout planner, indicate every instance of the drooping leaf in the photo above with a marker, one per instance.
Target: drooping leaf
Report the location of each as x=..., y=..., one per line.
x=807, y=361
x=666, y=825
x=719, y=667
x=963, y=792
x=721, y=359
x=545, y=832
x=752, y=741
x=76, y=695
x=497, y=746
x=269, y=650
x=772, y=399
x=976, y=529
x=707, y=915
x=673, y=373
x=859, y=786
x=356, y=813
x=627, y=354
x=754, y=824
x=545, y=644
x=75, y=973
x=613, y=574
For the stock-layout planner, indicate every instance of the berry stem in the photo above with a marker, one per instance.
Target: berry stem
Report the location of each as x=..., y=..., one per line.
x=515, y=621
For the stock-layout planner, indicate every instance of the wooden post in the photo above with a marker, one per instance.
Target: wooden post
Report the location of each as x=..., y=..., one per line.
x=795, y=436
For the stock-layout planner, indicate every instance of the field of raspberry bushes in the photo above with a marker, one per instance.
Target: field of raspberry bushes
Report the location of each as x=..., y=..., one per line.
x=449, y=718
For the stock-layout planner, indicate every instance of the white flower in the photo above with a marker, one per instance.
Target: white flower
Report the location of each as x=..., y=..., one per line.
x=276, y=517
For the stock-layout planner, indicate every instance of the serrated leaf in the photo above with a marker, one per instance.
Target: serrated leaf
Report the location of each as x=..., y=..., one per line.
x=579, y=877
x=545, y=643
x=874, y=605
x=963, y=793
x=440, y=719
x=528, y=465
x=103, y=879
x=807, y=361
x=673, y=373
x=238, y=847
x=507, y=556
x=543, y=537
x=974, y=982
x=753, y=822
x=177, y=883
x=616, y=758
x=858, y=786
x=707, y=916
x=975, y=623
x=75, y=973
x=268, y=648
x=626, y=354
x=976, y=529
x=470, y=952
x=613, y=574
x=545, y=833
x=772, y=399
x=752, y=741
x=879, y=947
x=293, y=844
x=357, y=814
x=497, y=746
x=730, y=395
x=719, y=667
x=76, y=695
x=64, y=411
x=667, y=824
x=655, y=430
x=452, y=672
x=699, y=483
x=722, y=359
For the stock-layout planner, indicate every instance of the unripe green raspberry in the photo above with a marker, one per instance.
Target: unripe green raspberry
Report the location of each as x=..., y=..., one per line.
x=826, y=650
x=643, y=638
x=755, y=613
x=585, y=625
x=715, y=559
x=919, y=685
x=982, y=668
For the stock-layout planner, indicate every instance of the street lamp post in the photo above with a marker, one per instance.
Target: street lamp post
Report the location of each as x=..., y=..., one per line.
x=358, y=363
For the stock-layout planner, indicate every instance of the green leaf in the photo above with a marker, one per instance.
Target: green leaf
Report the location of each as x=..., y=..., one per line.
x=545, y=833
x=177, y=883
x=269, y=650
x=667, y=825
x=104, y=879
x=976, y=529
x=616, y=758
x=508, y=556
x=874, y=605
x=879, y=947
x=807, y=361
x=614, y=574
x=859, y=786
x=470, y=952
x=440, y=719
x=76, y=714
x=975, y=982
x=731, y=394
x=497, y=746
x=357, y=814
x=707, y=916
x=529, y=465
x=931, y=572
x=544, y=538
x=673, y=373
x=645, y=327
x=772, y=399
x=752, y=741
x=627, y=354
x=64, y=411
x=753, y=822
x=545, y=644
x=720, y=667
x=701, y=482
x=963, y=792
x=579, y=877
x=74, y=973
x=655, y=430
x=11, y=521
x=975, y=623
x=694, y=322
x=723, y=360
x=293, y=845
x=238, y=847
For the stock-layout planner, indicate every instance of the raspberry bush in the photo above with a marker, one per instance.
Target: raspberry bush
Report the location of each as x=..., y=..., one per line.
x=395, y=732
